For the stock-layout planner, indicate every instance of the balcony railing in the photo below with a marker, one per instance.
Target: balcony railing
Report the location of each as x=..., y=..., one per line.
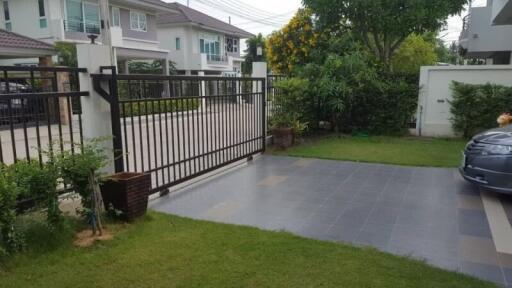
x=212, y=58
x=89, y=27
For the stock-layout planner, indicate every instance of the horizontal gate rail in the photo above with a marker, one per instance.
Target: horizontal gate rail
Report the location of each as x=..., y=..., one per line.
x=39, y=107
x=180, y=127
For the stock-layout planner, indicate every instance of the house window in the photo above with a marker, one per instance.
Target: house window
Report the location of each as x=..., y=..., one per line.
x=82, y=17
x=43, y=23
x=210, y=46
x=7, y=16
x=138, y=21
x=231, y=45
x=116, y=17
x=178, y=43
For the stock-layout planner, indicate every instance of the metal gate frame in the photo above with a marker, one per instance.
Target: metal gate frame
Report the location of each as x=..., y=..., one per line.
x=121, y=107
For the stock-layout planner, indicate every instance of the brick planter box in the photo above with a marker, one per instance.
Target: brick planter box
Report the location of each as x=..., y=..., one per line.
x=127, y=192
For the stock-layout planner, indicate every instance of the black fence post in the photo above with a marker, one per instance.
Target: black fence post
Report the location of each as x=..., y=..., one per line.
x=264, y=114
x=116, y=122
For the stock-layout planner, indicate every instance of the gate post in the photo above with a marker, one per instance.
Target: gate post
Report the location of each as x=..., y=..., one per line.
x=96, y=113
x=259, y=70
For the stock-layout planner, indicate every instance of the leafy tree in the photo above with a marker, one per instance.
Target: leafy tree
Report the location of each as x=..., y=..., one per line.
x=292, y=45
x=383, y=25
x=154, y=67
x=66, y=53
x=251, y=53
x=414, y=52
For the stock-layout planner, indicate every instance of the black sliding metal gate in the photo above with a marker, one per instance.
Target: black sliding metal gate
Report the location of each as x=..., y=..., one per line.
x=190, y=126
x=39, y=106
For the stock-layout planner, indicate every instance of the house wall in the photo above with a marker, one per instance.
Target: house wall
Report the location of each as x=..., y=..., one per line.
x=435, y=93
x=150, y=34
x=25, y=18
x=483, y=37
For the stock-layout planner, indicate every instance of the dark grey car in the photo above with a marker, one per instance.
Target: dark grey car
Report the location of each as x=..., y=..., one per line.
x=487, y=160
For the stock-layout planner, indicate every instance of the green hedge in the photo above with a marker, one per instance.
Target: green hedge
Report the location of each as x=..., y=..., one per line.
x=150, y=107
x=475, y=108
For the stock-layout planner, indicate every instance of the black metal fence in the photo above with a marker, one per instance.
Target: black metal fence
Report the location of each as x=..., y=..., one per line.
x=272, y=93
x=197, y=124
x=38, y=106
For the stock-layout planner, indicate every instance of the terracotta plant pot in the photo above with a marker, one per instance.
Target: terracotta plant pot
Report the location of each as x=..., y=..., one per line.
x=127, y=192
x=283, y=137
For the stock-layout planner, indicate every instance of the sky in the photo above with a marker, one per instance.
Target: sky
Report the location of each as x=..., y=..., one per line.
x=284, y=9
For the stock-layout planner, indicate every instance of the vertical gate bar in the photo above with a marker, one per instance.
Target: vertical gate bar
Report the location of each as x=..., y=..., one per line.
x=224, y=130
x=148, y=141
x=55, y=88
x=203, y=115
x=116, y=122
x=70, y=121
x=183, y=131
x=134, y=149
x=39, y=102
x=194, y=136
x=155, y=140
x=160, y=111
x=24, y=115
x=168, y=109
x=264, y=116
x=141, y=137
x=216, y=124
x=126, y=154
x=80, y=112
x=210, y=112
x=174, y=103
x=9, y=107
x=178, y=158
x=189, y=141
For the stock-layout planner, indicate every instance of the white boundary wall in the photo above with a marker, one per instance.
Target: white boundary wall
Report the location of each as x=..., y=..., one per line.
x=435, y=93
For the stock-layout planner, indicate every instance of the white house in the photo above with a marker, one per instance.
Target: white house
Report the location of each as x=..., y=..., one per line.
x=133, y=24
x=199, y=42
x=486, y=33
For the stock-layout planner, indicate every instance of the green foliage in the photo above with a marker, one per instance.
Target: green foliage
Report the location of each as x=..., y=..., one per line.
x=66, y=53
x=382, y=25
x=158, y=106
x=39, y=182
x=154, y=67
x=251, y=54
x=292, y=45
x=414, y=52
x=353, y=94
x=475, y=108
x=76, y=168
x=290, y=105
x=11, y=239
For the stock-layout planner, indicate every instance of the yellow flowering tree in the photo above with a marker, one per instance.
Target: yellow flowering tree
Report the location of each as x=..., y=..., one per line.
x=292, y=45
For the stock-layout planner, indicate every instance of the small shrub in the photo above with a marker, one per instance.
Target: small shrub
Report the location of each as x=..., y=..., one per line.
x=38, y=181
x=476, y=107
x=290, y=106
x=11, y=239
x=158, y=106
x=76, y=169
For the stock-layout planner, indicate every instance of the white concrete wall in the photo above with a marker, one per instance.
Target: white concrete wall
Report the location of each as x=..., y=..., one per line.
x=25, y=18
x=483, y=37
x=435, y=93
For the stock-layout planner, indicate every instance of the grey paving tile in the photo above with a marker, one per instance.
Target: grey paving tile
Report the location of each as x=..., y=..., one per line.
x=473, y=223
x=478, y=250
x=383, y=215
x=375, y=235
x=482, y=271
x=507, y=272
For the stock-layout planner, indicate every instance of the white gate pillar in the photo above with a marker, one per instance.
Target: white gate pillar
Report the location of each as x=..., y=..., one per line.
x=96, y=116
x=259, y=70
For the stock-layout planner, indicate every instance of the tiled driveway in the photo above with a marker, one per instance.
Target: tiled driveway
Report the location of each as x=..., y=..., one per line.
x=426, y=213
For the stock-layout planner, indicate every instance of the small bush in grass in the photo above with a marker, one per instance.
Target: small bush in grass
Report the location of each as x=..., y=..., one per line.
x=38, y=181
x=76, y=169
x=11, y=239
x=476, y=107
x=158, y=106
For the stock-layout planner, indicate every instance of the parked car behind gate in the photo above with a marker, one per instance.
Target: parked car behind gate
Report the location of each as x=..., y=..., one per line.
x=487, y=160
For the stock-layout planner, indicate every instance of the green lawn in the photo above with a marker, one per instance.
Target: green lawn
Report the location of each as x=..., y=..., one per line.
x=410, y=151
x=167, y=251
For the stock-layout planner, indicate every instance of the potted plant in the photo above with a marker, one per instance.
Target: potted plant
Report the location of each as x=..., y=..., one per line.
x=289, y=110
x=127, y=192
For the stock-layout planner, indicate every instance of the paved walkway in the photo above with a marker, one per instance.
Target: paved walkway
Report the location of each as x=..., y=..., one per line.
x=426, y=213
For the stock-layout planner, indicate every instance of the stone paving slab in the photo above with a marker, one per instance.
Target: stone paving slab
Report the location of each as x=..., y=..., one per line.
x=426, y=213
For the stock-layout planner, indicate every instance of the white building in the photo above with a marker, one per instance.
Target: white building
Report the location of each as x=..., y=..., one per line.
x=133, y=24
x=487, y=33
x=199, y=42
